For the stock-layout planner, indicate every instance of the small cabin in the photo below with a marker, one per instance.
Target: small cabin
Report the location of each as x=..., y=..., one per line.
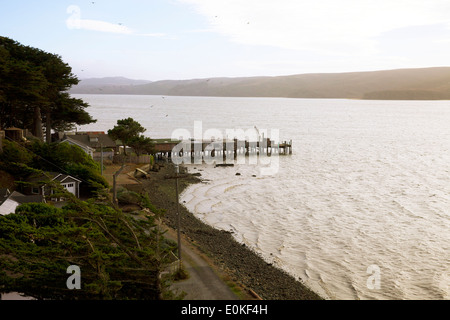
x=39, y=185
x=68, y=139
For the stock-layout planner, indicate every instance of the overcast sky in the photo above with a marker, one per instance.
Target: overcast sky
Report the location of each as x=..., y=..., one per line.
x=186, y=39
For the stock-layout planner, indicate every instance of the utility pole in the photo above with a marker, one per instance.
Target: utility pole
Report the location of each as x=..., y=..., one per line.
x=177, y=169
x=101, y=158
x=176, y=177
x=114, y=184
x=1, y=139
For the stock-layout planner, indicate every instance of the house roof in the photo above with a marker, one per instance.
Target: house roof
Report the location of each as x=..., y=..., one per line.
x=63, y=177
x=77, y=142
x=54, y=176
x=21, y=198
x=15, y=199
x=94, y=140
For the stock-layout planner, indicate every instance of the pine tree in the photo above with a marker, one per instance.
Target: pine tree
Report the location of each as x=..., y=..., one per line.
x=33, y=91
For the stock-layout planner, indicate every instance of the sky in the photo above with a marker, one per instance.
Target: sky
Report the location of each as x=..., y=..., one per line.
x=192, y=39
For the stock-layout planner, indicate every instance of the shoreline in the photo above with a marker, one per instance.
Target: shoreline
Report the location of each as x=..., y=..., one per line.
x=244, y=266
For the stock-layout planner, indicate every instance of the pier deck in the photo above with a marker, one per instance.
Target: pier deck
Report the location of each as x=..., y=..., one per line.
x=211, y=148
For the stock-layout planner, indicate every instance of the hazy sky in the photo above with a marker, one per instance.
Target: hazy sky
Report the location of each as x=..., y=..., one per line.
x=185, y=39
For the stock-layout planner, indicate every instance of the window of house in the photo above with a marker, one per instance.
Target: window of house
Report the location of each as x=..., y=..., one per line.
x=35, y=190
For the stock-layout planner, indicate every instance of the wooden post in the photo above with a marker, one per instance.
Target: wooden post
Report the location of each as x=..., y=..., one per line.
x=114, y=184
x=176, y=177
x=178, y=216
x=114, y=190
x=101, y=158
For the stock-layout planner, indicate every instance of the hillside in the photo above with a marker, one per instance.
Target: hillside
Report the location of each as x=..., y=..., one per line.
x=400, y=84
x=94, y=85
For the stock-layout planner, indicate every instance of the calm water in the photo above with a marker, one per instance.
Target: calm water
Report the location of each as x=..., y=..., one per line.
x=360, y=210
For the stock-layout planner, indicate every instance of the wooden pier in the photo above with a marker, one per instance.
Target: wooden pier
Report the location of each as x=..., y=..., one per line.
x=229, y=149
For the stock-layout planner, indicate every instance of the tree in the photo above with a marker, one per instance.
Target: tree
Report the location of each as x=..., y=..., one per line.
x=22, y=86
x=66, y=107
x=61, y=111
x=126, y=130
x=33, y=90
x=3, y=71
x=71, y=160
x=120, y=257
x=21, y=162
x=142, y=145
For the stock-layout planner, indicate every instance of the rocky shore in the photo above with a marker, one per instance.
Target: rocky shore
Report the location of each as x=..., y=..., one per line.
x=240, y=263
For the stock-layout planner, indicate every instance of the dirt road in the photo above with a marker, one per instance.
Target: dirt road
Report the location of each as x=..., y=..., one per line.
x=204, y=282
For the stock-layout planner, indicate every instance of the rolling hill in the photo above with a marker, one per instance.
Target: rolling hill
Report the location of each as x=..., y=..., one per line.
x=400, y=84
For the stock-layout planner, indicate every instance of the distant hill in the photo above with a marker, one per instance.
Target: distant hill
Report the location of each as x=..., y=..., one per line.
x=400, y=84
x=114, y=83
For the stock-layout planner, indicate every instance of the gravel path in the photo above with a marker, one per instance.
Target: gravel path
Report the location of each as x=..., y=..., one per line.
x=204, y=283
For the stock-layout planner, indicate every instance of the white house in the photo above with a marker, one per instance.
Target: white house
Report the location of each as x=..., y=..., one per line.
x=90, y=151
x=39, y=187
x=14, y=199
x=8, y=206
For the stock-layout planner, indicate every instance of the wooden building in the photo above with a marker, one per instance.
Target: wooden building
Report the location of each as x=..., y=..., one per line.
x=39, y=185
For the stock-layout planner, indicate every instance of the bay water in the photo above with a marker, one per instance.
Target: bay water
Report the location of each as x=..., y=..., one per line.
x=360, y=210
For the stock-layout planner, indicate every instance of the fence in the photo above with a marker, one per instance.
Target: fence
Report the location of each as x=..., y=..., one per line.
x=107, y=155
x=132, y=159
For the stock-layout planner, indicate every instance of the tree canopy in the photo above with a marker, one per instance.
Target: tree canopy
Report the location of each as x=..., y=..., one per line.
x=33, y=91
x=142, y=145
x=129, y=132
x=21, y=162
x=119, y=257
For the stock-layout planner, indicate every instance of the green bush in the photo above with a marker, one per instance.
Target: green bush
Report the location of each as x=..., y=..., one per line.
x=120, y=257
x=129, y=197
x=92, y=181
x=16, y=160
x=14, y=152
